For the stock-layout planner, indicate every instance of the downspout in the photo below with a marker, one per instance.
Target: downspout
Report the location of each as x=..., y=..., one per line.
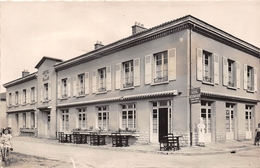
x=191, y=133
x=56, y=99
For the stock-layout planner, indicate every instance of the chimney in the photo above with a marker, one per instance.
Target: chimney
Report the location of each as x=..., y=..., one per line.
x=98, y=45
x=25, y=73
x=138, y=27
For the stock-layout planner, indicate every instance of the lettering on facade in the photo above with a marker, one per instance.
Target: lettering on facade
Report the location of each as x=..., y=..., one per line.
x=45, y=75
x=195, y=95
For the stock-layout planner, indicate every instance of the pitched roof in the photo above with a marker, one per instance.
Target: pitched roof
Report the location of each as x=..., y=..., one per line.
x=45, y=58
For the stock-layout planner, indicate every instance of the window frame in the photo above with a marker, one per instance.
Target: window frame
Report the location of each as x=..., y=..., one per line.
x=81, y=122
x=81, y=81
x=131, y=72
x=134, y=117
x=164, y=78
x=101, y=123
x=102, y=77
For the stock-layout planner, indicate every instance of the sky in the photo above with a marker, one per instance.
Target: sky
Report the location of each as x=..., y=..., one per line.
x=31, y=30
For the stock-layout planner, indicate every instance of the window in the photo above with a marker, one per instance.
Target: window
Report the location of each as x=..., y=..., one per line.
x=64, y=88
x=128, y=116
x=161, y=67
x=103, y=117
x=102, y=80
x=82, y=118
x=10, y=99
x=231, y=73
x=250, y=78
x=24, y=120
x=205, y=113
x=207, y=67
x=33, y=92
x=16, y=98
x=46, y=91
x=81, y=85
x=24, y=96
x=229, y=117
x=32, y=120
x=128, y=74
x=65, y=120
x=248, y=118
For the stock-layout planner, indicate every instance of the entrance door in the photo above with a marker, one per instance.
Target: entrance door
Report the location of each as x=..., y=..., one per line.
x=205, y=113
x=48, y=124
x=229, y=121
x=163, y=122
x=248, y=121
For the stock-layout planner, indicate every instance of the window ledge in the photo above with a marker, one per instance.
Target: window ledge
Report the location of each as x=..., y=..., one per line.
x=208, y=83
x=101, y=92
x=64, y=98
x=232, y=88
x=250, y=91
x=80, y=96
x=128, y=88
x=32, y=103
x=160, y=83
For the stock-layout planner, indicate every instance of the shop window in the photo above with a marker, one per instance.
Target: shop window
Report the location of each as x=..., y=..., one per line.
x=128, y=116
x=82, y=116
x=103, y=117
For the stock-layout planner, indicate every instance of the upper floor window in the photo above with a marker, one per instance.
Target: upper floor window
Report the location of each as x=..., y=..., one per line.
x=24, y=96
x=64, y=88
x=250, y=78
x=103, y=117
x=46, y=91
x=81, y=84
x=128, y=78
x=10, y=99
x=160, y=67
x=231, y=73
x=101, y=80
x=33, y=95
x=16, y=98
x=207, y=67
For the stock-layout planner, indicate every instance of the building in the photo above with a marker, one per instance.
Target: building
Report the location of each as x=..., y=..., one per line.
x=2, y=110
x=143, y=83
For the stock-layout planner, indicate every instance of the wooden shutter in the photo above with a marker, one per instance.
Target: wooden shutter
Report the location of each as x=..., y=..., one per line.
x=238, y=74
x=245, y=76
x=87, y=83
x=199, y=64
x=41, y=95
x=7, y=99
x=75, y=83
x=148, y=69
x=35, y=92
x=255, y=79
x=108, y=78
x=94, y=81
x=225, y=71
x=172, y=64
x=118, y=75
x=69, y=86
x=59, y=89
x=20, y=97
x=137, y=73
x=49, y=91
x=216, y=68
x=13, y=98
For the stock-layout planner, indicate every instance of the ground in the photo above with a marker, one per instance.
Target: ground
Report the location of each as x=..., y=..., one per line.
x=18, y=160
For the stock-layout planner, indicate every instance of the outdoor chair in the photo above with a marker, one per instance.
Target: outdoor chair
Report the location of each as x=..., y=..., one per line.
x=76, y=138
x=116, y=141
x=93, y=138
x=62, y=137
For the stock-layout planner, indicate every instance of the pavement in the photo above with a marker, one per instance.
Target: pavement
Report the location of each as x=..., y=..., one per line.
x=209, y=149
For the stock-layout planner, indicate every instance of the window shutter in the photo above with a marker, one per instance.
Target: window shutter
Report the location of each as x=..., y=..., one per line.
x=7, y=99
x=35, y=93
x=172, y=64
x=255, y=79
x=216, y=68
x=199, y=64
x=28, y=96
x=49, y=91
x=94, y=81
x=75, y=89
x=148, y=69
x=225, y=71
x=118, y=75
x=238, y=74
x=59, y=89
x=245, y=76
x=41, y=96
x=20, y=97
x=87, y=83
x=69, y=87
x=108, y=76
x=13, y=98
x=137, y=73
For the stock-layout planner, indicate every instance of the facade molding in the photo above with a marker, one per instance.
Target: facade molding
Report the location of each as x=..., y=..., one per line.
x=45, y=58
x=123, y=98
x=21, y=110
x=21, y=80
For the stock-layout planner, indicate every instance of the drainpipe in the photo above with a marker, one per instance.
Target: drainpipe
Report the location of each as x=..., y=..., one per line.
x=192, y=27
x=56, y=101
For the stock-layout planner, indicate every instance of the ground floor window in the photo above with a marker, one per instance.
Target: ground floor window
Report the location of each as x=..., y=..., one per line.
x=248, y=117
x=103, y=117
x=24, y=120
x=205, y=113
x=82, y=118
x=32, y=119
x=129, y=115
x=65, y=120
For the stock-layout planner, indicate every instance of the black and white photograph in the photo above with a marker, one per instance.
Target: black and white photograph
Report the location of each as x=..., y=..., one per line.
x=129, y=84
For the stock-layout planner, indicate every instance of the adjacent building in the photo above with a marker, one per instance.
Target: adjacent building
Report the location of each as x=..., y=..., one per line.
x=143, y=83
x=2, y=110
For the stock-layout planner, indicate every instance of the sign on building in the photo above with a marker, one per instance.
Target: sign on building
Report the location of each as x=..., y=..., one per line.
x=195, y=95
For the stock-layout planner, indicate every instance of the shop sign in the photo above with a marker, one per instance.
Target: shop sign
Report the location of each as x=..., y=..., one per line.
x=195, y=95
x=45, y=75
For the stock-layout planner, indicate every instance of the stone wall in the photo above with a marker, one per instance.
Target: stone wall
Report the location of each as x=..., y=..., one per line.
x=221, y=136
x=143, y=138
x=241, y=135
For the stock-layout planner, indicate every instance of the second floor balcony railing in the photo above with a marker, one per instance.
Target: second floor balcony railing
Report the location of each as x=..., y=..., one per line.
x=102, y=89
x=128, y=84
x=231, y=84
x=249, y=88
x=81, y=92
x=207, y=79
x=64, y=96
x=160, y=79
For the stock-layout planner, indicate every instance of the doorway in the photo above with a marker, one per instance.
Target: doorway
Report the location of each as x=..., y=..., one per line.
x=163, y=122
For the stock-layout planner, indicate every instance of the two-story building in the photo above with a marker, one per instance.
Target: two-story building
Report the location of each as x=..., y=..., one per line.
x=143, y=83
x=2, y=110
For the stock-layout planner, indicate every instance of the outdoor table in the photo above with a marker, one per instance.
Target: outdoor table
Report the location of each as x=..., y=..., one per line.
x=119, y=140
x=97, y=139
x=169, y=142
x=68, y=137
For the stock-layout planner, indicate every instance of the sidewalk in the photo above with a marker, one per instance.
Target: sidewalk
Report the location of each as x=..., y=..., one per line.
x=209, y=149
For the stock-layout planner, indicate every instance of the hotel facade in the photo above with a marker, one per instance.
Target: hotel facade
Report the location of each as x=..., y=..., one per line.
x=143, y=83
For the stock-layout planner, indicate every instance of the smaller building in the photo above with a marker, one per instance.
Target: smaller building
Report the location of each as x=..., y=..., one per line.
x=2, y=110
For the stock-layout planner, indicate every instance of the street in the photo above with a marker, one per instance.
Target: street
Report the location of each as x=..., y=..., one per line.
x=84, y=157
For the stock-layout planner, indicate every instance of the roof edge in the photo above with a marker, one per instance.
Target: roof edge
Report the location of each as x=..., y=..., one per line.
x=21, y=80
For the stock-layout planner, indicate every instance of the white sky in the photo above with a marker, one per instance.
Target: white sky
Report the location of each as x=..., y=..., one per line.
x=31, y=30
